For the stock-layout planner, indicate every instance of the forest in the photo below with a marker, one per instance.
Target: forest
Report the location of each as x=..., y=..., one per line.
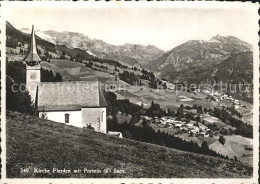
x=145, y=133
x=243, y=129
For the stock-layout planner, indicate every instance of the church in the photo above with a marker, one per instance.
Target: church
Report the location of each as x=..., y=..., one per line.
x=77, y=103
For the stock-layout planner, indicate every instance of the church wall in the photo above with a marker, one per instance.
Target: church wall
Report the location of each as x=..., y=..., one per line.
x=96, y=117
x=59, y=116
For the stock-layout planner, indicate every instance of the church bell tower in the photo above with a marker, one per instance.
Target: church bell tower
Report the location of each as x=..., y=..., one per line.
x=33, y=68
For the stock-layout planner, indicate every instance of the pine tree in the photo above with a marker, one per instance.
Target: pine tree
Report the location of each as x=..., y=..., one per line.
x=222, y=139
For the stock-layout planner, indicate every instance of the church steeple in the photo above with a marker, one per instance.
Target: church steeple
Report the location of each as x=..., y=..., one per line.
x=32, y=57
x=33, y=69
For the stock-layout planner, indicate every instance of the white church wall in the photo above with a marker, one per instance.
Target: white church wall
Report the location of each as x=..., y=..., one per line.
x=59, y=116
x=96, y=117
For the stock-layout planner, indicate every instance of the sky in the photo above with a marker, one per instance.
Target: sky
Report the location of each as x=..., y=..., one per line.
x=165, y=28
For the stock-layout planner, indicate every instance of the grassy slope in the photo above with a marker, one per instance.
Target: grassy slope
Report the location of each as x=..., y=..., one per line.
x=34, y=142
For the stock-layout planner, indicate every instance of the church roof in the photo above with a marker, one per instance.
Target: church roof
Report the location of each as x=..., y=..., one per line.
x=32, y=54
x=57, y=96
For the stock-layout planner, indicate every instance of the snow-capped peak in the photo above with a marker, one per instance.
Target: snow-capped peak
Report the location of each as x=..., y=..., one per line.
x=39, y=33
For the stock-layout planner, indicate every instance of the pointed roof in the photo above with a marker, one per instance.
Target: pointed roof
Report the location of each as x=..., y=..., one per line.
x=32, y=54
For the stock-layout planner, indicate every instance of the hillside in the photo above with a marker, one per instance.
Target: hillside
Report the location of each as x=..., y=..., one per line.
x=238, y=68
x=34, y=142
x=193, y=60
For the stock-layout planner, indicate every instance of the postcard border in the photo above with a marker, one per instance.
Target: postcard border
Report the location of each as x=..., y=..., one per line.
x=5, y=5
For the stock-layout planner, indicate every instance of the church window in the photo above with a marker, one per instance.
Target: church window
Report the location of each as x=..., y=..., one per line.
x=102, y=116
x=67, y=118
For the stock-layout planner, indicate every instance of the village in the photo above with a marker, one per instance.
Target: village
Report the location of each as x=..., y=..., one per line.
x=186, y=126
x=195, y=122
x=212, y=94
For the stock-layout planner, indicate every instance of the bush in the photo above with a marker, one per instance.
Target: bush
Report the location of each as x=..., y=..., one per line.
x=89, y=127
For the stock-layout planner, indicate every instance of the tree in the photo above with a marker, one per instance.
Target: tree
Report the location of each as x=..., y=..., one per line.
x=180, y=111
x=204, y=147
x=129, y=77
x=205, y=110
x=199, y=110
x=39, y=51
x=198, y=118
x=235, y=158
x=152, y=103
x=21, y=51
x=134, y=119
x=145, y=123
x=222, y=139
x=18, y=100
x=127, y=134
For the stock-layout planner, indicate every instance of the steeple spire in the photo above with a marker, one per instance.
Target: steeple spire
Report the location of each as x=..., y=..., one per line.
x=32, y=57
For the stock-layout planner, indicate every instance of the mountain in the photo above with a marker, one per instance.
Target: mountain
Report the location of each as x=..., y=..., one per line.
x=194, y=59
x=129, y=54
x=235, y=69
x=16, y=36
x=39, y=33
x=33, y=142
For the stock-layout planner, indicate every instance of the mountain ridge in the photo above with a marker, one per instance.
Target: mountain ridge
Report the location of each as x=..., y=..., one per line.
x=18, y=36
x=130, y=54
x=198, y=53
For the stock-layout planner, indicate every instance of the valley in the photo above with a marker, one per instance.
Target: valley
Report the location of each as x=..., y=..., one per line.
x=145, y=75
x=168, y=99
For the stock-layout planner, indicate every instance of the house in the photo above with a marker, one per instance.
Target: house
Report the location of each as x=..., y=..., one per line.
x=216, y=93
x=237, y=106
x=164, y=118
x=203, y=134
x=169, y=85
x=189, y=125
x=215, y=98
x=173, y=122
x=178, y=126
x=193, y=133
x=206, y=92
x=117, y=134
x=147, y=118
x=77, y=103
x=168, y=125
x=224, y=97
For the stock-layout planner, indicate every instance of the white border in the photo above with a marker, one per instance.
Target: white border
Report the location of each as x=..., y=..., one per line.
x=142, y=4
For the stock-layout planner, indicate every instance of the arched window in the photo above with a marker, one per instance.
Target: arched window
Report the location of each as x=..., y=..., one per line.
x=67, y=118
x=102, y=116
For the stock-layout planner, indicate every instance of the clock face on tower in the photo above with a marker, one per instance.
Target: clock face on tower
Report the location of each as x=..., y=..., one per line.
x=33, y=76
